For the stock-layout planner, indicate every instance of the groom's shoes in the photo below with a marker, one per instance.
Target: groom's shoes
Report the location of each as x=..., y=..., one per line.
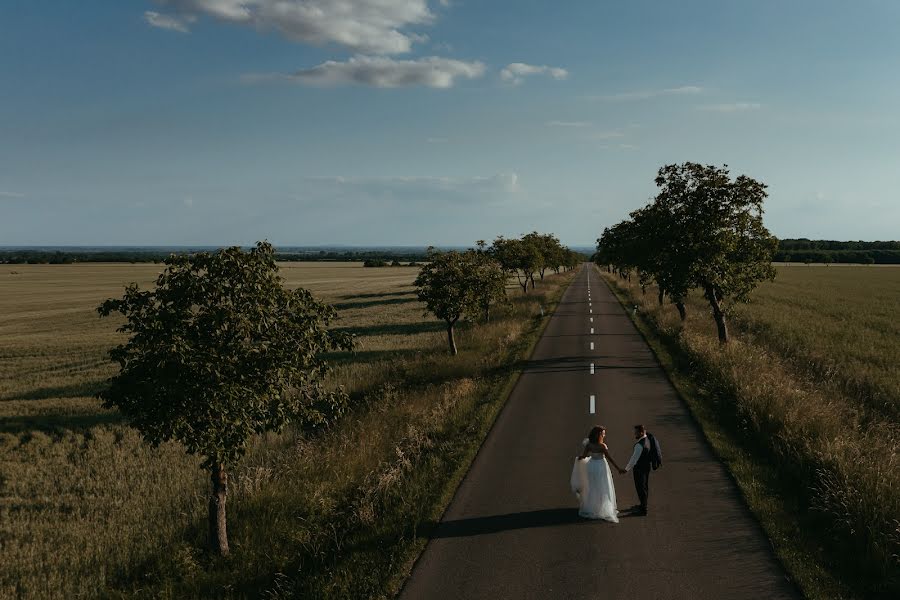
x=634, y=511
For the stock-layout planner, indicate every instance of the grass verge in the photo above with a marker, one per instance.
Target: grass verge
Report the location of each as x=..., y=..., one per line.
x=779, y=438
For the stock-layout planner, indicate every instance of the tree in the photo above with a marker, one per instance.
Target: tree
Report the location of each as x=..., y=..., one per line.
x=220, y=351
x=719, y=242
x=455, y=284
x=488, y=279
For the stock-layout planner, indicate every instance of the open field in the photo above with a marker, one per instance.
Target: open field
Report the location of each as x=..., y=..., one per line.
x=803, y=406
x=87, y=509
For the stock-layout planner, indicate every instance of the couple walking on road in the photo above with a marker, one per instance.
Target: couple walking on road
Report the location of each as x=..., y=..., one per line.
x=592, y=479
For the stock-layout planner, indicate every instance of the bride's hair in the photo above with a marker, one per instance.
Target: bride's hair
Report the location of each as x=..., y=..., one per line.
x=594, y=435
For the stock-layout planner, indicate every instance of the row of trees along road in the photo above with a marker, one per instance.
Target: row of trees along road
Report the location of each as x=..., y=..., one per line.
x=455, y=285
x=703, y=230
x=219, y=350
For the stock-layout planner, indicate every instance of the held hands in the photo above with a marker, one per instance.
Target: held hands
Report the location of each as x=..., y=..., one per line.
x=622, y=471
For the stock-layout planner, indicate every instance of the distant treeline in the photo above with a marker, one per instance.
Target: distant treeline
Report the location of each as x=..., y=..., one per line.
x=789, y=250
x=829, y=251
x=64, y=257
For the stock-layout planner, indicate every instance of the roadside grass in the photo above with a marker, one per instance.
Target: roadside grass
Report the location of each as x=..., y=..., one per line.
x=813, y=451
x=88, y=510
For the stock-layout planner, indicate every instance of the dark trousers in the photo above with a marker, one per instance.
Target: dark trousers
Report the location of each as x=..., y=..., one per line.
x=642, y=485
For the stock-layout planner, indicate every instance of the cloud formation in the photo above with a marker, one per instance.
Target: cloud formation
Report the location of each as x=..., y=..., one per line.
x=730, y=107
x=382, y=72
x=171, y=22
x=369, y=26
x=683, y=90
x=11, y=195
x=515, y=73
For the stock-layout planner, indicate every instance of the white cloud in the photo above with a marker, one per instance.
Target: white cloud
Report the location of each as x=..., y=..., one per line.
x=370, y=26
x=188, y=201
x=437, y=140
x=383, y=72
x=730, y=107
x=683, y=90
x=11, y=195
x=171, y=22
x=515, y=73
x=573, y=124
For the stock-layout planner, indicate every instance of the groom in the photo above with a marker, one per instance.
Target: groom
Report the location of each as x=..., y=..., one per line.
x=639, y=464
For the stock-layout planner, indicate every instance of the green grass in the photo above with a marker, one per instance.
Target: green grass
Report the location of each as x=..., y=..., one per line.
x=801, y=408
x=87, y=509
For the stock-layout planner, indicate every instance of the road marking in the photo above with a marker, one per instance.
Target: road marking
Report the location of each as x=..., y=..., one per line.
x=592, y=368
x=593, y=403
x=592, y=319
x=592, y=331
x=592, y=345
x=590, y=310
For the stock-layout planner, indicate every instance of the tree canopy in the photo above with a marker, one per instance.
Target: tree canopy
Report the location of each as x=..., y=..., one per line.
x=220, y=351
x=703, y=230
x=456, y=284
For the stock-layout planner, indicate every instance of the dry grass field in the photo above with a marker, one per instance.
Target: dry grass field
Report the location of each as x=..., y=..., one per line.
x=87, y=509
x=809, y=387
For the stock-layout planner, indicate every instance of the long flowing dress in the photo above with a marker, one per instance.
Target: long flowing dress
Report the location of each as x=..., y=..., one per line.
x=593, y=485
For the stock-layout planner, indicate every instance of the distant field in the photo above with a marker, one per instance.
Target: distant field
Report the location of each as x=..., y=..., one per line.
x=86, y=506
x=53, y=352
x=839, y=324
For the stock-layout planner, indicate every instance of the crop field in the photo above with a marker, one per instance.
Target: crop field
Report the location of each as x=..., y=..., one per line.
x=86, y=508
x=809, y=382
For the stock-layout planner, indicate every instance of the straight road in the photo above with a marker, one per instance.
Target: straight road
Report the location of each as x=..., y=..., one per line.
x=512, y=530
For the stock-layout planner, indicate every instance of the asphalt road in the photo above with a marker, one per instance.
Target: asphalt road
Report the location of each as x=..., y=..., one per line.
x=512, y=529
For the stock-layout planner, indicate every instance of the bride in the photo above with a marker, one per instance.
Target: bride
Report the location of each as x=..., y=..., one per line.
x=592, y=479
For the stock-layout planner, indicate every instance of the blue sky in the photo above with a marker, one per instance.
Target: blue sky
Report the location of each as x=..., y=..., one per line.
x=434, y=122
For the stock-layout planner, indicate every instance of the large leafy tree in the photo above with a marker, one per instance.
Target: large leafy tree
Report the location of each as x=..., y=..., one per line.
x=457, y=284
x=518, y=257
x=220, y=351
x=703, y=230
x=720, y=243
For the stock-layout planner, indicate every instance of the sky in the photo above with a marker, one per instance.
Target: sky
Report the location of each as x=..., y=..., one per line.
x=416, y=122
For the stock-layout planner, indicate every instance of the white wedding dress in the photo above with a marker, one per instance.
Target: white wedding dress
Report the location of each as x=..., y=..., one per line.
x=593, y=485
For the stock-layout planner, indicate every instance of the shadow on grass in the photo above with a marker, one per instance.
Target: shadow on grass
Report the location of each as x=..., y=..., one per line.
x=59, y=423
x=378, y=295
x=368, y=356
x=395, y=328
x=78, y=390
x=371, y=303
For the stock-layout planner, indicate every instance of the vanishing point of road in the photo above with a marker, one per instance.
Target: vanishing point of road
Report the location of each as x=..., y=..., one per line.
x=512, y=529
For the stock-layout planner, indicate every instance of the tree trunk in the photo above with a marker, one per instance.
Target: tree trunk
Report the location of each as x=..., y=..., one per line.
x=532, y=281
x=682, y=312
x=450, y=339
x=487, y=312
x=524, y=285
x=218, y=533
x=542, y=273
x=661, y=296
x=718, y=314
